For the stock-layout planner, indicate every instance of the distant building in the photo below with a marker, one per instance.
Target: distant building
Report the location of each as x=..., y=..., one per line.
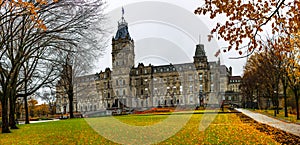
x=143, y=86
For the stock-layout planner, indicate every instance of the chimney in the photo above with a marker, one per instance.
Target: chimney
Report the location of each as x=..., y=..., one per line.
x=230, y=71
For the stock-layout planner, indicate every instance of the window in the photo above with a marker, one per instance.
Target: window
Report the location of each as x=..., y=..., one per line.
x=201, y=88
x=124, y=92
x=154, y=70
x=200, y=77
x=181, y=89
x=117, y=93
x=211, y=77
x=137, y=72
x=190, y=78
x=168, y=69
x=145, y=71
x=174, y=88
x=191, y=88
x=142, y=91
x=123, y=82
x=117, y=82
x=211, y=87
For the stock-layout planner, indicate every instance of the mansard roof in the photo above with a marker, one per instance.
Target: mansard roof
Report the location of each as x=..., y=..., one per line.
x=235, y=79
x=200, y=52
x=122, y=32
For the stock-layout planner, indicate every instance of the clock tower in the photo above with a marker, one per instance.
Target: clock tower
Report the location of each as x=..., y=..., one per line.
x=122, y=62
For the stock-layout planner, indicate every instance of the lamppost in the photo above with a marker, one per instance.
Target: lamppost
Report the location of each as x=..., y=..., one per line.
x=200, y=98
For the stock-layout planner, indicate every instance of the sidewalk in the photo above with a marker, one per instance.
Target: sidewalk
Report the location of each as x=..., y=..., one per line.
x=41, y=121
x=288, y=127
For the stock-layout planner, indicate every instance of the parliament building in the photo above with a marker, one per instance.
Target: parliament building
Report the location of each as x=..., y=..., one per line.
x=144, y=86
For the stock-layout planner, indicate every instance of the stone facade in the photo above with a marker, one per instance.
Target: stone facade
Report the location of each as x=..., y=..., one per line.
x=143, y=86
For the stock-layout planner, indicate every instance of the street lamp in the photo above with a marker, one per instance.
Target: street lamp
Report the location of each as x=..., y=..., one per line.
x=200, y=98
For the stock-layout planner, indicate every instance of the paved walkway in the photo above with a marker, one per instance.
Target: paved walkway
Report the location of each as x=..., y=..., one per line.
x=41, y=121
x=288, y=127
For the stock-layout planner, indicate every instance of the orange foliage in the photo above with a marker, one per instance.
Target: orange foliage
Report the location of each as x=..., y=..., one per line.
x=21, y=7
x=246, y=20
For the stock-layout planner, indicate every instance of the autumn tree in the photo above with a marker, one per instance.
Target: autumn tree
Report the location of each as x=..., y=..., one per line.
x=262, y=75
x=244, y=30
x=32, y=105
x=293, y=69
x=243, y=26
x=47, y=94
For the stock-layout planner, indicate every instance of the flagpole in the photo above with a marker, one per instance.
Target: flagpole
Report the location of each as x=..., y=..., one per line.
x=123, y=11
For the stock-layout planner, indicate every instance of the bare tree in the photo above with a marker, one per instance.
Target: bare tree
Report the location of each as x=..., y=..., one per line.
x=34, y=45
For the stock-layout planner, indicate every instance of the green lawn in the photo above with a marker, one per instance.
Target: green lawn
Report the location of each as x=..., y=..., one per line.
x=291, y=117
x=225, y=129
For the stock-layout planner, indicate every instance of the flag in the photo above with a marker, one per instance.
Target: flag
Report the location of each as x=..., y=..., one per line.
x=123, y=11
x=218, y=53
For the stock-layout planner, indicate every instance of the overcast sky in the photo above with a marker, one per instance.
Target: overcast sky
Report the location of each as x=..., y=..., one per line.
x=166, y=31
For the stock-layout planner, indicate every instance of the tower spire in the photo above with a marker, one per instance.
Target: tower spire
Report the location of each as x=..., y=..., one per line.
x=123, y=12
x=122, y=28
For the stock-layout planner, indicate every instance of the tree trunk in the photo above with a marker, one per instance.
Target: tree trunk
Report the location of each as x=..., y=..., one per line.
x=26, y=110
x=5, y=123
x=285, y=101
x=70, y=95
x=277, y=97
x=297, y=103
x=12, y=119
x=274, y=105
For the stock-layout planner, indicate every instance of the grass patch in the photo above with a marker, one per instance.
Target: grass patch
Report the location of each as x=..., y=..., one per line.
x=225, y=129
x=290, y=118
x=141, y=120
x=73, y=131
